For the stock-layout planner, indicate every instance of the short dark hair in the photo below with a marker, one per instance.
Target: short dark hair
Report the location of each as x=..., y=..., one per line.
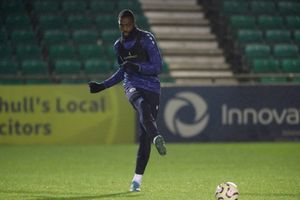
x=127, y=13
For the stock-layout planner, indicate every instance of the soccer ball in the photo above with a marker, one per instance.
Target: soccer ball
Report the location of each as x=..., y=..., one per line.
x=227, y=191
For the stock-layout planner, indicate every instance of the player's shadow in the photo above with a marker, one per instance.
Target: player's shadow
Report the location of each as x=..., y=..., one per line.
x=271, y=194
x=47, y=195
x=89, y=197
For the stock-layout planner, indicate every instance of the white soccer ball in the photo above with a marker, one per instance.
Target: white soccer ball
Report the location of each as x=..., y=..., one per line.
x=227, y=191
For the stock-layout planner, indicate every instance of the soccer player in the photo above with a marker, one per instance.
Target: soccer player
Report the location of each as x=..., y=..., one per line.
x=140, y=63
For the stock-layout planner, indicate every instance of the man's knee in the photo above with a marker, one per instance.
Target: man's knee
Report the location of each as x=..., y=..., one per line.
x=144, y=109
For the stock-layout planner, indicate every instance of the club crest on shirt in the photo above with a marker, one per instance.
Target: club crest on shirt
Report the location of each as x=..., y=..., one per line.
x=132, y=90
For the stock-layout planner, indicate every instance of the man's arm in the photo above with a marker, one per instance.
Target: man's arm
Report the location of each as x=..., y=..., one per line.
x=116, y=78
x=154, y=66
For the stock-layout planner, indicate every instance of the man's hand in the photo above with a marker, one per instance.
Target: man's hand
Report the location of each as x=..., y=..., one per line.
x=96, y=87
x=130, y=66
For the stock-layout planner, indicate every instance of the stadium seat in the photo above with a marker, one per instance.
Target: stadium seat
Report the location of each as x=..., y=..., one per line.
x=61, y=51
x=265, y=65
x=273, y=80
x=249, y=36
x=23, y=37
x=50, y=22
x=34, y=66
x=234, y=7
x=85, y=36
x=55, y=37
x=293, y=22
x=291, y=65
x=28, y=52
x=73, y=6
x=79, y=22
x=110, y=36
x=165, y=67
x=110, y=52
x=3, y=36
x=17, y=22
x=132, y=5
x=297, y=36
x=8, y=67
x=97, y=7
x=67, y=67
x=257, y=50
x=285, y=50
x=64, y=30
x=270, y=22
x=296, y=79
x=263, y=32
x=90, y=51
x=46, y=6
x=242, y=22
x=13, y=7
x=262, y=7
x=288, y=7
x=96, y=66
x=106, y=22
x=5, y=51
x=277, y=36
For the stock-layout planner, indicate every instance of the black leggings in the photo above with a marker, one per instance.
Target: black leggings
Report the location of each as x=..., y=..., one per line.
x=146, y=104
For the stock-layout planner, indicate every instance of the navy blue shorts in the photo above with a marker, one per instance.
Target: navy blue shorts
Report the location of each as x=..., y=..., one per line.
x=151, y=98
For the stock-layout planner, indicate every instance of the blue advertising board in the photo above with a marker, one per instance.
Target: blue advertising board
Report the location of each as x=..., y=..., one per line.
x=230, y=113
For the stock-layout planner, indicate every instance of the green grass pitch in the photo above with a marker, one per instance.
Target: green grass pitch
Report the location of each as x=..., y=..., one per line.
x=262, y=171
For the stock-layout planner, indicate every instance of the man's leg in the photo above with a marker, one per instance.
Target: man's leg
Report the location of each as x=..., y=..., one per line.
x=153, y=100
x=146, y=103
x=147, y=113
x=142, y=159
x=146, y=118
x=143, y=151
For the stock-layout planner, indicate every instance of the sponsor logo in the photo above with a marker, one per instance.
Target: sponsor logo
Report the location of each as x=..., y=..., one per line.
x=263, y=116
x=130, y=56
x=174, y=121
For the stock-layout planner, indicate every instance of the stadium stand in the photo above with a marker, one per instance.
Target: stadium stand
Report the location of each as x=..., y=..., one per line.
x=186, y=41
x=69, y=41
x=260, y=38
x=34, y=66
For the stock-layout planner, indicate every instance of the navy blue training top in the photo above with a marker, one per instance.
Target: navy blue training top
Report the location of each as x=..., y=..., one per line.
x=136, y=45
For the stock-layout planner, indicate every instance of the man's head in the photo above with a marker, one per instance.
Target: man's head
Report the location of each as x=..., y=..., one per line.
x=126, y=21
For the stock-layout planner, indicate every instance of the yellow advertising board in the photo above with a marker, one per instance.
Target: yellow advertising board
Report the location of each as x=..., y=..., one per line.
x=64, y=114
